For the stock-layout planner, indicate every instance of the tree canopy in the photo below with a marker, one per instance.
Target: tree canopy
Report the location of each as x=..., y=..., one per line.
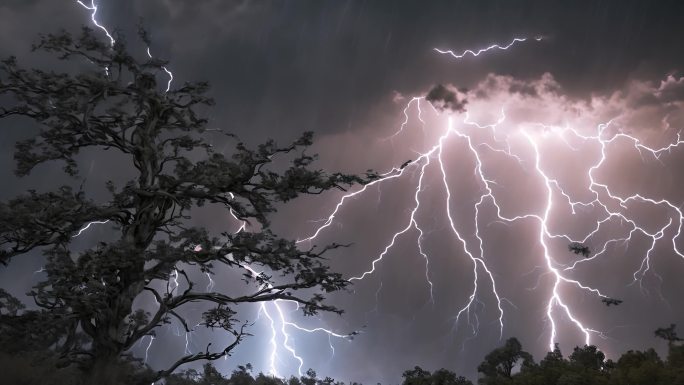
x=84, y=308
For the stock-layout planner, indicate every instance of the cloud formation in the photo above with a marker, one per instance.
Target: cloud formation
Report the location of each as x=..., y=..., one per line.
x=446, y=98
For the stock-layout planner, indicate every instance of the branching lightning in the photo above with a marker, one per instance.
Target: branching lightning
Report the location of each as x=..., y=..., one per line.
x=284, y=323
x=611, y=206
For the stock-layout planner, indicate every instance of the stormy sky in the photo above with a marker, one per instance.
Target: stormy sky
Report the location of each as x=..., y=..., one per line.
x=349, y=70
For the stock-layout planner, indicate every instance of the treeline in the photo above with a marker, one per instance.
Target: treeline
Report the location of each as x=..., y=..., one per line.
x=508, y=364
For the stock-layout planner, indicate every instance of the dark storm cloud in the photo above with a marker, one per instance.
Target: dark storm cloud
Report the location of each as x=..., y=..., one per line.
x=446, y=98
x=279, y=68
x=270, y=62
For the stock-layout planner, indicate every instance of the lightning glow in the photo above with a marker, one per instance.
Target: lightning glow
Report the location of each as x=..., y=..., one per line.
x=282, y=317
x=611, y=206
x=285, y=336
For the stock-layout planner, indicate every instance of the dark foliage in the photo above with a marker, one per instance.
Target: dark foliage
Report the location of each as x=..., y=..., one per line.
x=585, y=366
x=85, y=307
x=611, y=301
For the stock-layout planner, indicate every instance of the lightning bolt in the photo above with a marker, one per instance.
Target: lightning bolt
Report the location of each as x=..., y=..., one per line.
x=612, y=207
x=147, y=350
x=210, y=284
x=483, y=50
x=169, y=73
x=282, y=318
x=284, y=323
x=87, y=226
x=93, y=17
x=171, y=288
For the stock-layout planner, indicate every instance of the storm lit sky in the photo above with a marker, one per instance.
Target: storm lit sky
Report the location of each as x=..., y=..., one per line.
x=571, y=134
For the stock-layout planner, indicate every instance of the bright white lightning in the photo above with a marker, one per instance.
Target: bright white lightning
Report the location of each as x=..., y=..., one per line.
x=282, y=317
x=412, y=224
x=555, y=299
x=393, y=173
x=596, y=188
x=168, y=84
x=406, y=116
x=477, y=258
x=277, y=304
x=210, y=284
x=603, y=199
x=86, y=227
x=174, y=279
x=274, y=344
x=482, y=50
x=92, y=7
x=147, y=350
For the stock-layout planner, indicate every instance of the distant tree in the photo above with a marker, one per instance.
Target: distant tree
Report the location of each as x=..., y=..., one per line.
x=310, y=378
x=293, y=381
x=447, y=377
x=420, y=376
x=573, y=378
x=211, y=376
x=242, y=375
x=553, y=358
x=498, y=365
x=675, y=354
x=262, y=379
x=588, y=357
x=86, y=310
x=549, y=370
x=638, y=368
x=669, y=334
x=416, y=376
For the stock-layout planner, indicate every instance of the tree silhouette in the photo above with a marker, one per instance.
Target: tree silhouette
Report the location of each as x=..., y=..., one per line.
x=588, y=357
x=420, y=376
x=669, y=334
x=579, y=249
x=85, y=305
x=499, y=363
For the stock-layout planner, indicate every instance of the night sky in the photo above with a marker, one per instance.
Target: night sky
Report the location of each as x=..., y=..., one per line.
x=597, y=89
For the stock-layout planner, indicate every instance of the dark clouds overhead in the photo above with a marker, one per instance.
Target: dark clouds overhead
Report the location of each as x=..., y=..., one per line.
x=340, y=58
x=446, y=98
